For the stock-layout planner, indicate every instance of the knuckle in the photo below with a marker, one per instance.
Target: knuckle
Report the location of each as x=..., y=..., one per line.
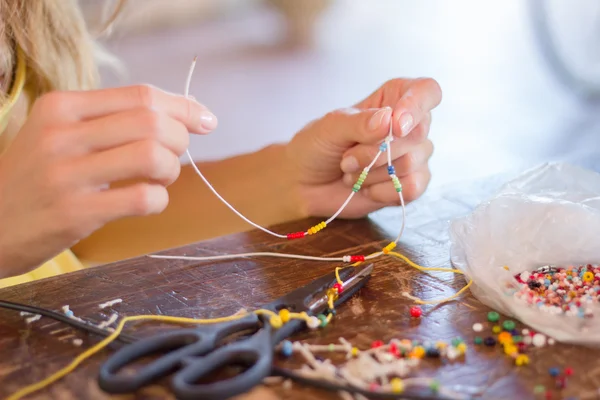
x=146, y=95
x=151, y=157
x=152, y=123
x=140, y=199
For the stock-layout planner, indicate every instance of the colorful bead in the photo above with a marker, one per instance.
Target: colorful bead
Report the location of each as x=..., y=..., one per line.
x=568, y=371
x=415, y=312
x=462, y=348
x=296, y=235
x=434, y=386
x=357, y=258
x=376, y=344
x=313, y=322
x=496, y=329
x=317, y=228
x=489, y=341
x=287, y=348
x=432, y=352
x=354, y=351
x=323, y=320
x=418, y=352
x=397, y=385
x=539, y=340
x=284, y=315
x=522, y=359
x=396, y=183
x=504, y=337
x=383, y=147
x=478, y=340
x=477, y=327
x=554, y=372
x=338, y=288
x=493, y=316
x=391, y=170
x=389, y=248
x=539, y=389
x=508, y=325
x=588, y=276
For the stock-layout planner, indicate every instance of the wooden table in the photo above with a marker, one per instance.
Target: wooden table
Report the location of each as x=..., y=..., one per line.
x=378, y=312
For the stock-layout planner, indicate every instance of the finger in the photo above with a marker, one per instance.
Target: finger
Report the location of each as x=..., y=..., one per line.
x=146, y=160
x=362, y=155
x=85, y=105
x=136, y=200
x=347, y=127
x=405, y=165
x=421, y=96
x=413, y=186
x=126, y=127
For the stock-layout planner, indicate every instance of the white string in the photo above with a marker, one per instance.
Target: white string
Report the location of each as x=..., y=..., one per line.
x=272, y=254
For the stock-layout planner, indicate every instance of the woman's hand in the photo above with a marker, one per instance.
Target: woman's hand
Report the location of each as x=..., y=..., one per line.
x=329, y=154
x=55, y=177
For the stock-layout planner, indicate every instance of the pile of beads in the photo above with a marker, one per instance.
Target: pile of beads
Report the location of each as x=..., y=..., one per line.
x=515, y=343
x=383, y=368
x=570, y=291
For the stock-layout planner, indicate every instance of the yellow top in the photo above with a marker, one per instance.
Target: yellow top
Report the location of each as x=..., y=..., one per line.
x=66, y=261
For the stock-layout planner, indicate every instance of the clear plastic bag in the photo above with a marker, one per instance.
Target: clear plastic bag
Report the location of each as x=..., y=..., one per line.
x=549, y=215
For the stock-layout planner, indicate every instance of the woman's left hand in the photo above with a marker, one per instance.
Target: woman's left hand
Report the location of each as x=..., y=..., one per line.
x=328, y=155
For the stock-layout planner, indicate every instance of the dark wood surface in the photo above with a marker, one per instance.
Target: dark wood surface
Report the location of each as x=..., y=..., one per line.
x=378, y=312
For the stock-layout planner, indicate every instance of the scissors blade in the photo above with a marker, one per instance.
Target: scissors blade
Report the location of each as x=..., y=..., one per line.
x=349, y=287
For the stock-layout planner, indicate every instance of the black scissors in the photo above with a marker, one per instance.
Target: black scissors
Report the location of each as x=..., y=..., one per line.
x=195, y=353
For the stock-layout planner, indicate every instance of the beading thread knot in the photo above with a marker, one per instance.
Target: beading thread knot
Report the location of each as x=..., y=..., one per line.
x=317, y=228
x=389, y=247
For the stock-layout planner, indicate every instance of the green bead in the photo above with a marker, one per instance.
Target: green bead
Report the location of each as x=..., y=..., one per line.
x=539, y=389
x=331, y=348
x=398, y=189
x=478, y=340
x=517, y=339
x=434, y=386
x=356, y=187
x=508, y=325
x=323, y=319
x=361, y=181
x=456, y=341
x=493, y=316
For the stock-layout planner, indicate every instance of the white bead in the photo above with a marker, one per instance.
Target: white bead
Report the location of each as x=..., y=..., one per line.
x=551, y=342
x=539, y=340
x=313, y=322
x=477, y=327
x=525, y=332
x=527, y=340
x=524, y=276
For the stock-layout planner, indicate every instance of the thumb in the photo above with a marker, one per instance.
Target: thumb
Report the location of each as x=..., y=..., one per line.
x=349, y=126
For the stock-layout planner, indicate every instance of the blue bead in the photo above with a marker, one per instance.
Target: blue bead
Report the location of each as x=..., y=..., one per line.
x=383, y=147
x=69, y=313
x=391, y=170
x=286, y=348
x=547, y=282
x=554, y=371
x=514, y=332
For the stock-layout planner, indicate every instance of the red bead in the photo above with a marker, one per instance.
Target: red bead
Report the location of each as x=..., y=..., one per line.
x=522, y=347
x=295, y=235
x=357, y=258
x=376, y=344
x=338, y=288
x=568, y=371
x=415, y=312
x=394, y=350
x=548, y=395
x=373, y=387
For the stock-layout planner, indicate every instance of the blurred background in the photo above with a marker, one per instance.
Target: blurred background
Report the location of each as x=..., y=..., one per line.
x=520, y=79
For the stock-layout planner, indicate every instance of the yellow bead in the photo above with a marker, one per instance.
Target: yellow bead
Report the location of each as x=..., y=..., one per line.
x=496, y=329
x=418, y=352
x=522, y=359
x=510, y=349
x=588, y=276
x=284, y=315
x=397, y=385
x=276, y=322
x=354, y=351
x=441, y=345
x=506, y=267
x=462, y=348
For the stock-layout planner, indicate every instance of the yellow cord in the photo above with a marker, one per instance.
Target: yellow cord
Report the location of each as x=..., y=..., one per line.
x=421, y=268
x=276, y=320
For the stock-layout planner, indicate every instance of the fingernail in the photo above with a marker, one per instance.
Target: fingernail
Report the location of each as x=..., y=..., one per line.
x=208, y=120
x=349, y=164
x=406, y=124
x=377, y=118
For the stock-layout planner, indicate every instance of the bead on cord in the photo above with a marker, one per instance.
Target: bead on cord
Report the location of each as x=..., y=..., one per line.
x=317, y=228
x=358, y=258
x=389, y=248
x=360, y=180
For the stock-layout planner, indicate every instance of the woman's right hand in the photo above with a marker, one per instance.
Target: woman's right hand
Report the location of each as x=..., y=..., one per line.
x=55, y=177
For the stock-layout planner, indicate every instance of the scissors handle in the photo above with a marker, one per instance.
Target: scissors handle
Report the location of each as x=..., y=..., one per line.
x=173, y=346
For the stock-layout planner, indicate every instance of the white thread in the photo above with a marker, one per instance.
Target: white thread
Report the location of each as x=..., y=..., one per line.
x=33, y=319
x=109, y=322
x=110, y=303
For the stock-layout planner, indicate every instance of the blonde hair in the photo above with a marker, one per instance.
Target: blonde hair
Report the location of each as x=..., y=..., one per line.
x=60, y=51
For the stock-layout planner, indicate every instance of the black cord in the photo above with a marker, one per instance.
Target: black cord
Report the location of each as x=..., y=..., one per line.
x=330, y=386
x=124, y=338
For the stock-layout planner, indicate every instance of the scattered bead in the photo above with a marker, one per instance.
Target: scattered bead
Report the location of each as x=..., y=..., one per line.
x=376, y=344
x=415, y=312
x=504, y=337
x=522, y=359
x=493, y=316
x=478, y=340
x=551, y=341
x=508, y=325
x=568, y=371
x=477, y=327
x=539, y=389
x=434, y=386
x=338, y=288
x=314, y=322
x=490, y=341
x=554, y=372
x=397, y=385
x=287, y=348
x=496, y=329
x=539, y=340
x=354, y=351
